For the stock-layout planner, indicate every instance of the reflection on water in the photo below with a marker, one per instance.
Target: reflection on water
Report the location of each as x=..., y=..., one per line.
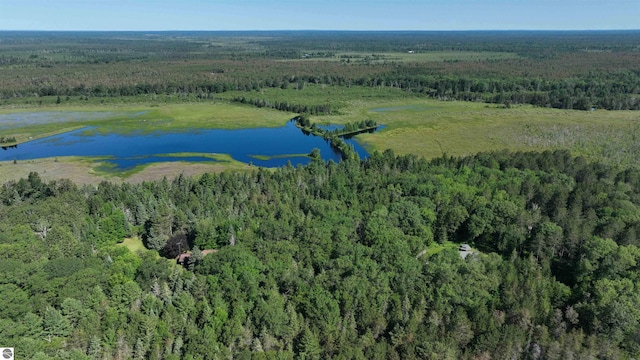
x=270, y=147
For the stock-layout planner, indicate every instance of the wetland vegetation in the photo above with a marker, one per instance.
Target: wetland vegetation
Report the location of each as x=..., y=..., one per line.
x=472, y=81
x=269, y=147
x=523, y=145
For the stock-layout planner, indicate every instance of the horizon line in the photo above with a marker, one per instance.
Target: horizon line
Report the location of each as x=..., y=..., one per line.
x=325, y=30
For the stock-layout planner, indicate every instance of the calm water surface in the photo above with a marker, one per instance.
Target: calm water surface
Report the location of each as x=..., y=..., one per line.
x=280, y=145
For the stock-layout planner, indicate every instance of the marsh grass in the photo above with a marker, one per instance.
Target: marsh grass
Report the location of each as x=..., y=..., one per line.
x=279, y=156
x=80, y=170
x=432, y=128
x=337, y=96
x=617, y=144
x=141, y=118
x=108, y=169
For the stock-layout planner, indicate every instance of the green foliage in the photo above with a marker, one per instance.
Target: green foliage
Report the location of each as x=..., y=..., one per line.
x=159, y=228
x=357, y=259
x=15, y=301
x=7, y=140
x=54, y=324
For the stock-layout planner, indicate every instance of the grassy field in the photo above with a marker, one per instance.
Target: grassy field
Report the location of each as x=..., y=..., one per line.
x=89, y=171
x=432, y=128
x=134, y=244
x=79, y=170
x=339, y=97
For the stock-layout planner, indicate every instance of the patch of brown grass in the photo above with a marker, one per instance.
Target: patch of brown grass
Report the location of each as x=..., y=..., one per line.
x=81, y=171
x=170, y=170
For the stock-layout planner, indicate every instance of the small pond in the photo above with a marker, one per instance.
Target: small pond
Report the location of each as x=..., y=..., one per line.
x=269, y=147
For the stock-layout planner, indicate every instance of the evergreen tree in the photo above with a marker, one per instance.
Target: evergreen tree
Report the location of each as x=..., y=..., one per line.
x=54, y=324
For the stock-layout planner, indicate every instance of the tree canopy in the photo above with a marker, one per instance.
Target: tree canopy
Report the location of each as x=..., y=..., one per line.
x=357, y=259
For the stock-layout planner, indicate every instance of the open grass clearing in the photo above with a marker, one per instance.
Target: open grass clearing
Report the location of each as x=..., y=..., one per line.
x=134, y=244
x=170, y=170
x=437, y=247
x=432, y=128
x=88, y=171
x=339, y=97
x=79, y=170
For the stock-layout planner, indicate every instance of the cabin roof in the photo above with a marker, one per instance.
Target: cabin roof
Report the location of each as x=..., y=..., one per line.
x=465, y=250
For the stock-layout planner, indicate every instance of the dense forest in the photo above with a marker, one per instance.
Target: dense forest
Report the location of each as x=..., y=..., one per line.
x=350, y=260
x=568, y=70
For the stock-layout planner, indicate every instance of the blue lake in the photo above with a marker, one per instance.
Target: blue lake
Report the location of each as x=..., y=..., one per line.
x=124, y=151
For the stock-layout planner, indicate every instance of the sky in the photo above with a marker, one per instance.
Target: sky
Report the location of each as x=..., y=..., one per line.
x=127, y=15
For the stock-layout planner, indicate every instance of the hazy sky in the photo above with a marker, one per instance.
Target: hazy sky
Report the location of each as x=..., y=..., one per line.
x=319, y=14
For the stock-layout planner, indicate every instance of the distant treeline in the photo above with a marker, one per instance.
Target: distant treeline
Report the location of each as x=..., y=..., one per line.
x=617, y=92
x=324, y=109
x=94, y=46
x=613, y=92
x=568, y=70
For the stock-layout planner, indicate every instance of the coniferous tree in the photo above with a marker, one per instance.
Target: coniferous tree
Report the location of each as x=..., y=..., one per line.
x=54, y=324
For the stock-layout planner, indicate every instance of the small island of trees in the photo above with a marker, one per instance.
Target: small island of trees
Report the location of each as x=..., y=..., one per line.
x=335, y=136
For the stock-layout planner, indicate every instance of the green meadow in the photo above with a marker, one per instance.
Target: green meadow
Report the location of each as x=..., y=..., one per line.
x=433, y=128
x=134, y=244
x=339, y=97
